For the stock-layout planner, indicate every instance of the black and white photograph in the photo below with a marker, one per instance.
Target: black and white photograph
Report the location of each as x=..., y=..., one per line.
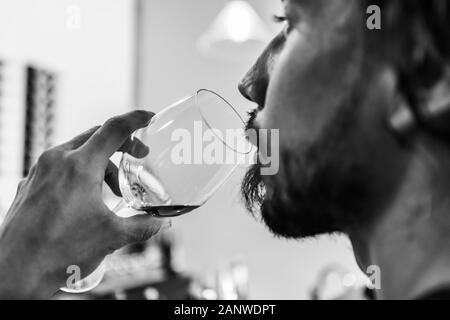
x=224, y=157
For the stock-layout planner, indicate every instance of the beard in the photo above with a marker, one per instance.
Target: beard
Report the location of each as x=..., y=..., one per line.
x=321, y=187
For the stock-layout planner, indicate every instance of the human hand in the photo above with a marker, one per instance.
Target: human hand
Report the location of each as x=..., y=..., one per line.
x=58, y=217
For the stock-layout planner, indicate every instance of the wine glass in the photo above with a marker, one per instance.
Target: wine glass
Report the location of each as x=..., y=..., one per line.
x=194, y=146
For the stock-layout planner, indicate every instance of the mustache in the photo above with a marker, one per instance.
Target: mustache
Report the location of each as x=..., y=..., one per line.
x=250, y=124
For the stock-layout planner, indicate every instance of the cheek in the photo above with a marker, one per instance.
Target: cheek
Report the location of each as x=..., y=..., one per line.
x=283, y=97
x=308, y=85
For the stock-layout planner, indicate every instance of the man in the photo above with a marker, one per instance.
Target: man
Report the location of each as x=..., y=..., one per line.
x=58, y=218
x=364, y=135
x=359, y=155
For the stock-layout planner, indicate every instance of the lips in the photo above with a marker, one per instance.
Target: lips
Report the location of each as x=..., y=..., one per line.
x=251, y=118
x=260, y=138
x=251, y=128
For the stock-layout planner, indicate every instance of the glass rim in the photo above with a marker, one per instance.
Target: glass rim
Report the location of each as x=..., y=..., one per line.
x=209, y=125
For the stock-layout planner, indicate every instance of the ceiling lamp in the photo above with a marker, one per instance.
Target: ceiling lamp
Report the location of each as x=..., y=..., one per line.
x=236, y=31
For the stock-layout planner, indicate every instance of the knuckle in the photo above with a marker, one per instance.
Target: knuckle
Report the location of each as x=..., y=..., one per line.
x=146, y=234
x=120, y=234
x=49, y=157
x=75, y=165
x=72, y=162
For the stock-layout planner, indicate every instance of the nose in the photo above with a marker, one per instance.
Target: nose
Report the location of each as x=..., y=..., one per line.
x=245, y=88
x=254, y=85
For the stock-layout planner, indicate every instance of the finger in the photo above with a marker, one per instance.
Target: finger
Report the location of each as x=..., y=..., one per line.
x=113, y=134
x=78, y=141
x=135, y=147
x=141, y=227
x=112, y=178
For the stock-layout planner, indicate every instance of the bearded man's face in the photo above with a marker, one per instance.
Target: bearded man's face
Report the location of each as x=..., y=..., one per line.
x=314, y=83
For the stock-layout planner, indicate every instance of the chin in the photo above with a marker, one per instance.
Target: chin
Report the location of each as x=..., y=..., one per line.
x=314, y=193
x=289, y=214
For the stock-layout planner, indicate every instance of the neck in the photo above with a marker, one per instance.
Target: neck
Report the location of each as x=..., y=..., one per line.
x=410, y=243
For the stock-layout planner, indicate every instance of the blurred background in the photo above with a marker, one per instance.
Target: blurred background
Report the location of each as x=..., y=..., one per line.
x=66, y=66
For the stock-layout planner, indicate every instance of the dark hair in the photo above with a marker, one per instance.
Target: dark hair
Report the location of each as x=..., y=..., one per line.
x=415, y=37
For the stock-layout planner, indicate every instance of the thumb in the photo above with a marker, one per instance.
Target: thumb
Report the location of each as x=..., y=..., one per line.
x=142, y=227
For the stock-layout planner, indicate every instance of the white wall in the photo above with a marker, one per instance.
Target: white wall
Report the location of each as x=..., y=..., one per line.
x=94, y=64
x=170, y=67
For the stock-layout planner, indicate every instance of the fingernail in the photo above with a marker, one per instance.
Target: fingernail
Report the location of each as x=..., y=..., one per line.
x=144, y=115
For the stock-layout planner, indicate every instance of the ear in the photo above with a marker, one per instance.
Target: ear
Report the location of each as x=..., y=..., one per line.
x=434, y=111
